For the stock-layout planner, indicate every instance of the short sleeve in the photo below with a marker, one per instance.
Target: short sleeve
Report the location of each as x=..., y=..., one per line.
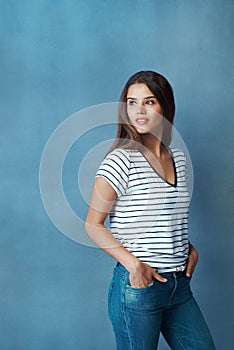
x=115, y=169
x=185, y=168
x=184, y=165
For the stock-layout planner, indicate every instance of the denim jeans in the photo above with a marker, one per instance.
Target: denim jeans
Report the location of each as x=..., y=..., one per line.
x=138, y=315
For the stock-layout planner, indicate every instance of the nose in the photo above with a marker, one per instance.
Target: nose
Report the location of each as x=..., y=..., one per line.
x=140, y=109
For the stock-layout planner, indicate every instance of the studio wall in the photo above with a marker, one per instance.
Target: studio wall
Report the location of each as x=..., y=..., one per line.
x=59, y=57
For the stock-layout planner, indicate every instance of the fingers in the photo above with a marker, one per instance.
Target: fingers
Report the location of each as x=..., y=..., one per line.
x=140, y=281
x=192, y=260
x=143, y=275
x=190, y=267
x=189, y=271
x=158, y=277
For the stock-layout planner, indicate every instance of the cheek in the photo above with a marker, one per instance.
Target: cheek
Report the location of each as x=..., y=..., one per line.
x=131, y=112
x=155, y=114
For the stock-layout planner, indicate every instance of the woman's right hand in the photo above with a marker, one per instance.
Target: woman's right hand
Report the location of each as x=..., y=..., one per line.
x=142, y=275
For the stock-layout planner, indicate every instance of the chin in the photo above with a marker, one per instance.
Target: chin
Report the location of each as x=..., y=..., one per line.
x=142, y=130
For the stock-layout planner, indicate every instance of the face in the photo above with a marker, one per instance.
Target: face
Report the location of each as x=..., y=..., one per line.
x=143, y=109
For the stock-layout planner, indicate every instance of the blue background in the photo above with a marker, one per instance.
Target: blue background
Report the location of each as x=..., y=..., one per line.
x=58, y=57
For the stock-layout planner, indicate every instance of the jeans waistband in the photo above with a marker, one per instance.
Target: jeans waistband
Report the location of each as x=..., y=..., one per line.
x=173, y=269
x=177, y=270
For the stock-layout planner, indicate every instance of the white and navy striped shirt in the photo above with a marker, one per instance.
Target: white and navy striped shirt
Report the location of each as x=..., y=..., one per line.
x=149, y=216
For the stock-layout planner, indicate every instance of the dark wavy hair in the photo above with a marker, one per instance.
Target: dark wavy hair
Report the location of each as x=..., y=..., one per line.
x=127, y=136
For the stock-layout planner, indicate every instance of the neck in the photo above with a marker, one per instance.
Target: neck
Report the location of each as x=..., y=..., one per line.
x=153, y=144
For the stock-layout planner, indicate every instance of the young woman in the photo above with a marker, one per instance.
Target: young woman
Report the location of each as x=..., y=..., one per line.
x=141, y=184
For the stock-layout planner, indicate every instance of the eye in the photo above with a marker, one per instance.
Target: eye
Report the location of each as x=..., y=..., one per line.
x=132, y=103
x=150, y=102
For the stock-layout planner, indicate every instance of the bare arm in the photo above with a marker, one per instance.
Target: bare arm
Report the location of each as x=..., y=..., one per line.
x=101, y=202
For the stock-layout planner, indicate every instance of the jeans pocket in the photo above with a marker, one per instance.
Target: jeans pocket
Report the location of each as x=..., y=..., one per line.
x=140, y=290
x=141, y=299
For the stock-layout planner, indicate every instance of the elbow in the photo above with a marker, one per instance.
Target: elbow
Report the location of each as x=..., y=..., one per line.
x=93, y=228
x=90, y=228
x=87, y=227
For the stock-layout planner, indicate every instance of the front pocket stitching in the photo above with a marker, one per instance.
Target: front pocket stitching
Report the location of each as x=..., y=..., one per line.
x=140, y=290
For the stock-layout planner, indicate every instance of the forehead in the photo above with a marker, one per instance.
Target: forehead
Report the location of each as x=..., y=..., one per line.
x=139, y=90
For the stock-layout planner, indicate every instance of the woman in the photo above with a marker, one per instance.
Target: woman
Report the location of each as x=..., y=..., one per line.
x=141, y=184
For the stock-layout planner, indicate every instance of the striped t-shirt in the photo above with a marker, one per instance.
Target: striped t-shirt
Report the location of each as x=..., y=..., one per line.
x=149, y=216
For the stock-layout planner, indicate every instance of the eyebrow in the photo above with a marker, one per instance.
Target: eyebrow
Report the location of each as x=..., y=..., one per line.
x=145, y=98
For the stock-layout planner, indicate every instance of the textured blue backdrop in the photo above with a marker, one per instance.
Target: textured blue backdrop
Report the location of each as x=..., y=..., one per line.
x=59, y=56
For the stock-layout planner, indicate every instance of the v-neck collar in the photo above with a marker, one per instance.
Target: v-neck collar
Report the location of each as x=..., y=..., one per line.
x=174, y=167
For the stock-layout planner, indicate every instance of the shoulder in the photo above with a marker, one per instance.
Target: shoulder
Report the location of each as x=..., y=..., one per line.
x=178, y=153
x=119, y=155
x=179, y=158
x=117, y=161
x=115, y=169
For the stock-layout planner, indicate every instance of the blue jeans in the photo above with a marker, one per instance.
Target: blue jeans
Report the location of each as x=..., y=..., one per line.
x=138, y=315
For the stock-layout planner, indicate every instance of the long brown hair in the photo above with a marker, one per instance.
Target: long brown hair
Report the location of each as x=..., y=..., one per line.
x=127, y=136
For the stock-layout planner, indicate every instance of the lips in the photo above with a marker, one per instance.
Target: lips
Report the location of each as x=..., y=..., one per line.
x=142, y=121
